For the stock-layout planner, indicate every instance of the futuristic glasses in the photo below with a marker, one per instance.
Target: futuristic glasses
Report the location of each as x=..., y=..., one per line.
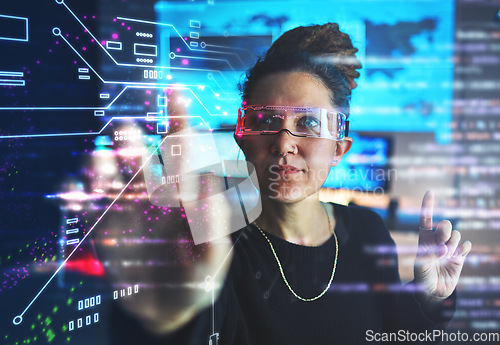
x=299, y=121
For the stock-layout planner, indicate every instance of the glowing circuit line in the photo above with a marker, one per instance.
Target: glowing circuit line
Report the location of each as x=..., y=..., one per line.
x=138, y=65
x=161, y=24
x=227, y=255
x=220, y=87
x=123, y=18
x=79, y=244
x=104, y=49
x=126, y=65
x=73, y=108
x=95, y=133
x=133, y=86
x=213, y=309
x=57, y=32
x=204, y=58
x=96, y=108
x=180, y=36
x=228, y=53
x=228, y=47
x=217, y=95
x=87, y=30
x=231, y=48
x=132, y=65
x=19, y=317
x=71, y=134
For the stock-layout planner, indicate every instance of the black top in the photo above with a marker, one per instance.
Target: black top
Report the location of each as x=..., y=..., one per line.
x=256, y=307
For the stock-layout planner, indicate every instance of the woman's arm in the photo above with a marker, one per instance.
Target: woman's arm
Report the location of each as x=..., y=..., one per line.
x=148, y=243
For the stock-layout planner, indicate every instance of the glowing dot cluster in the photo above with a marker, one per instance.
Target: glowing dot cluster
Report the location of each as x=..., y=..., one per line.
x=144, y=60
x=42, y=251
x=144, y=34
x=127, y=135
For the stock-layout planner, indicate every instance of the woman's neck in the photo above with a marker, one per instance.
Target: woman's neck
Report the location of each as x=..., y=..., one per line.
x=305, y=222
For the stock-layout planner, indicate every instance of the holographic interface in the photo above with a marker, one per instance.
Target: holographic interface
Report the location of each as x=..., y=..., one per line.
x=108, y=107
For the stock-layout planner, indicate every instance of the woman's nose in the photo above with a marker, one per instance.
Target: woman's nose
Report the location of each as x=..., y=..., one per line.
x=285, y=142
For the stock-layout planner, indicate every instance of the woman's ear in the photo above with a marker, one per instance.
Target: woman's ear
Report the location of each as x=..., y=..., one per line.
x=341, y=149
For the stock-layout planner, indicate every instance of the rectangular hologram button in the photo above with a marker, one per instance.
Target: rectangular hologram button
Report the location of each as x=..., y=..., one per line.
x=13, y=28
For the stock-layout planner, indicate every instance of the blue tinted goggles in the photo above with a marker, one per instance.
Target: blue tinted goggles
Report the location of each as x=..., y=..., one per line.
x=299, y=121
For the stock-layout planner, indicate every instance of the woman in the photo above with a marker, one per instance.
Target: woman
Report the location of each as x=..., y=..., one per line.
x=307, y=272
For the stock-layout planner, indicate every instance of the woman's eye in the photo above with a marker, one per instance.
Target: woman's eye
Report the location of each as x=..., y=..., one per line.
x=264, y=120
x=308, y=121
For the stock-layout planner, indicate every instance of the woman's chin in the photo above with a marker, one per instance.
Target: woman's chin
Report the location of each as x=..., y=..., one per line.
x=287, y=194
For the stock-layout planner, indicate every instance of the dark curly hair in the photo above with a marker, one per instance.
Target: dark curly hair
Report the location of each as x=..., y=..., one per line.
x=321, y=50
x=296, y=61
x=324, y=41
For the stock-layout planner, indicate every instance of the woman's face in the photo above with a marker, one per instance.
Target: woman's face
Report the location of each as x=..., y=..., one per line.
x=291, y=168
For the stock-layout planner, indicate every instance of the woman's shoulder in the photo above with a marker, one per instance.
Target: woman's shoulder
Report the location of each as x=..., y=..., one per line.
x=355, y=215
x=362, y=222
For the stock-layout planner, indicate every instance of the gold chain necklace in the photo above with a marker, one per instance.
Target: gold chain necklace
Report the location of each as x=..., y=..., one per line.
x=283, y=273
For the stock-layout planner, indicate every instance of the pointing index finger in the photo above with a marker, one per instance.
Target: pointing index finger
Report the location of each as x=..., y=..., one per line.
x=426, y=210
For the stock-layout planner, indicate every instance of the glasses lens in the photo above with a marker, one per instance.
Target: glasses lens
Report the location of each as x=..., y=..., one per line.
x=308, y=122
x=263, y=120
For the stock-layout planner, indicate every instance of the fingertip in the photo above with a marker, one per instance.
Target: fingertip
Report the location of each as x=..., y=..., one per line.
x=446, y=223
x=427, y=210
x=463, y=250
x=445, y=227
x=443, y=231
x=467, y=246
x=429, y=195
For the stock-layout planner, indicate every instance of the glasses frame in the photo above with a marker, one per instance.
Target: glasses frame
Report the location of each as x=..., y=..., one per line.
x=343, y=130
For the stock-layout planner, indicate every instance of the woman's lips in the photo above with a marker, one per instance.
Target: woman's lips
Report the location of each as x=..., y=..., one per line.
x=285, y=169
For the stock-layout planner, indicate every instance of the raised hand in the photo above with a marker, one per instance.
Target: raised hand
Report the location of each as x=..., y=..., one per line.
x=440, y=256
x=146, y=242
